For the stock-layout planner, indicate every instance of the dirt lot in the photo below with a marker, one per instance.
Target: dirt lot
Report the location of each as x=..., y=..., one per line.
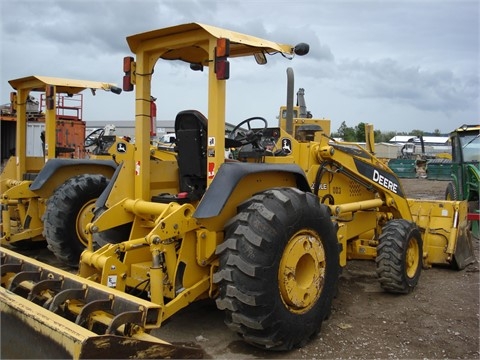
x=439, y=319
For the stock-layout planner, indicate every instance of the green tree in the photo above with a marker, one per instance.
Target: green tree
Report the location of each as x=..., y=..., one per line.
x=416, y=133
x=345, y=132
x=360, y=132
x=388, y=135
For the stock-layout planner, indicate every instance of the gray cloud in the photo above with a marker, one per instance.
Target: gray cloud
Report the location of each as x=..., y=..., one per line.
x=95, y=26
x=440, y=91
x=419, y=58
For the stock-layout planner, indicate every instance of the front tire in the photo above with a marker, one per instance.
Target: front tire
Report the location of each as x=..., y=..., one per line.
x=399, y=256
x=67, y=213
x=279, y=267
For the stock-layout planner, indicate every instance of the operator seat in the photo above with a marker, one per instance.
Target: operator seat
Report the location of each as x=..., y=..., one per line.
x=191, y=148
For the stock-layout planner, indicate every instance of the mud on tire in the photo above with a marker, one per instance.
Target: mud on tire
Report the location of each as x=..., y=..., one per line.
x=279, y=266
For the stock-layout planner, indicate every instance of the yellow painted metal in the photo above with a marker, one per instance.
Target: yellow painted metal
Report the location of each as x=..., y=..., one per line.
x=19, y=204
x=186, y=37
x=67, y=86
x=411, y=257
x=50, y=126
x=72, y=340
x=444, y=228
x=207, y=242
x=144, y=69
x=17, y=190
x=356, y=206
x=370, y=138
x=8, y=174
x=187, y=296
x=21, y=134
x=84, y=217
x=299, y=122
x=216, y=111
x=301, y=272
x=361, y=249
x=51, y=326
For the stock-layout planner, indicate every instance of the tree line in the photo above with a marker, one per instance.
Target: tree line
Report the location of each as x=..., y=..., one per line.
x=357, y=133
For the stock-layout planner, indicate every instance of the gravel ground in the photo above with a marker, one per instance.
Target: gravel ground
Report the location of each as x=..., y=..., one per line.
x=438, y=320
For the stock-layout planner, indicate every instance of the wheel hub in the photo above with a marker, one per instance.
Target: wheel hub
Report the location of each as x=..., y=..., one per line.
x=85, y=216
x=411, y=258
x=301, y=272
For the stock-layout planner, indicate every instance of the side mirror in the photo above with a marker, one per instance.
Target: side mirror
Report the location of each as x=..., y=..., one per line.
x=196, y=67
x=301, y=49
x=115, y=90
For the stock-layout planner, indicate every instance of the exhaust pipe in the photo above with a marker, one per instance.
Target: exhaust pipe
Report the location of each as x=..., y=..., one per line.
x=289, y=115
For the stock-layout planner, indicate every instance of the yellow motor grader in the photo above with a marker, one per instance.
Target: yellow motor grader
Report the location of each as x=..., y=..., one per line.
x=265, y=235
x=49, y=198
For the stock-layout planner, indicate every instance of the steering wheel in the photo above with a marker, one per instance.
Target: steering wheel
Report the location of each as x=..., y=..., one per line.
x=250, y=136
x=94, y=137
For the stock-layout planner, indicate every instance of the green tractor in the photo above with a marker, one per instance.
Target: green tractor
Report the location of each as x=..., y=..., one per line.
x=465, y=183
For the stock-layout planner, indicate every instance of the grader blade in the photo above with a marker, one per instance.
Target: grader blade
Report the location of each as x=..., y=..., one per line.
x=50, y=313
x=446, y=236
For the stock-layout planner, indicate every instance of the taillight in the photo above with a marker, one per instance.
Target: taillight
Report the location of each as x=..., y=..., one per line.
x=222, y=52
x=129, y=70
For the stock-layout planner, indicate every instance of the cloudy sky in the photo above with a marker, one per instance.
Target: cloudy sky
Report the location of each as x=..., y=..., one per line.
x=401, y=65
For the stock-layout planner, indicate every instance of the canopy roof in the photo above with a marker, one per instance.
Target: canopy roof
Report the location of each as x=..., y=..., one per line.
x=183, y=42
x=67, y=86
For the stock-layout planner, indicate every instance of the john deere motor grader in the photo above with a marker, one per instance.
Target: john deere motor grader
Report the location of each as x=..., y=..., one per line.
x=265, y=235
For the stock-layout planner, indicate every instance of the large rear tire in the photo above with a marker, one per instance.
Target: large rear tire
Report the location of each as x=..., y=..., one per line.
x=279, y=267
x=67, y=213
x=399, y=256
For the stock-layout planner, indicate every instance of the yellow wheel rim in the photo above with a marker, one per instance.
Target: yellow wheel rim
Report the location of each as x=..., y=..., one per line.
x=411, y=258
x=302, y=271
x=84, y=217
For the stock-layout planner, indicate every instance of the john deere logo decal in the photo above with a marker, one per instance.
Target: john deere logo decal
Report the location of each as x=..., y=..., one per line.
x=287, y=145
x=121, y=147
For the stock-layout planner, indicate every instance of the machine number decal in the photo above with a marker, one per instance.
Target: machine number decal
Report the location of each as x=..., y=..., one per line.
x=323, y=186
x=211, y=141
x=336, y=190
